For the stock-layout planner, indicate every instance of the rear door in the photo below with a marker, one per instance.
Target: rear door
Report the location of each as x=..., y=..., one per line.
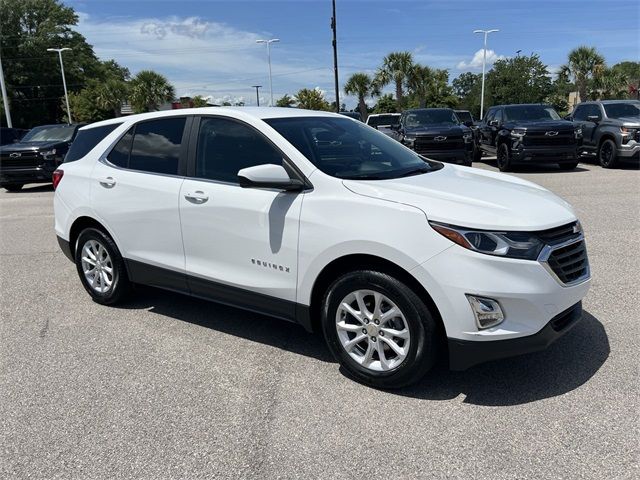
x=134, y=192
x=240, y=243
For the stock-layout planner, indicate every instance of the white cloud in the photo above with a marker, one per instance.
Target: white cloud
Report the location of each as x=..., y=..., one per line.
x=476, y=61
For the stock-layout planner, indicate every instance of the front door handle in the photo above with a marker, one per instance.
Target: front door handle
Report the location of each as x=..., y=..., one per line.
x=197, y=197
x=108, y=182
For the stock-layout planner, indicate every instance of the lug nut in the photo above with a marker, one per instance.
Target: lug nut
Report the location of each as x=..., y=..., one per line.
x=366, y=320
x=373, y=339
x=381, y=334
x=364, y=330
x=376, y=321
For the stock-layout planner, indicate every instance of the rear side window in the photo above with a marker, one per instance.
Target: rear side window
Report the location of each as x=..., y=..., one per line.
x=156, y=146
x=119, y=155
x=86, y=140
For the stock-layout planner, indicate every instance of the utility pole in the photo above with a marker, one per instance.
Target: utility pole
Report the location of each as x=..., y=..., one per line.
x=335, y=55
x=5, y=99
x=484, y=62
x=268, y=43
x=64, y=81
x=257, y=94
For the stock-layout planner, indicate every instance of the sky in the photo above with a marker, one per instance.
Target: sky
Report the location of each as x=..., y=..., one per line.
x=209, y=47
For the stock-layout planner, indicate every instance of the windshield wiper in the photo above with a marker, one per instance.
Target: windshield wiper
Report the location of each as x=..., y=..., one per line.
x=414, y=171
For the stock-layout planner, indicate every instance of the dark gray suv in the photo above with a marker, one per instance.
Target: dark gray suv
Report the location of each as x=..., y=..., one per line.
x=610, y=130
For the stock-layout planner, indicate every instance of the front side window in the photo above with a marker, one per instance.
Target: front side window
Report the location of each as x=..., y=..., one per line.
x=227, y=146
x=345, y=149
x=581, y=113
x=620, y=110
x=156, y=146
x=530, y=113
x=498, y=116
x=50, y=133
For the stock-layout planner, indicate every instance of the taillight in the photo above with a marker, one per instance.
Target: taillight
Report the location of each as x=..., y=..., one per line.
x=56, y=177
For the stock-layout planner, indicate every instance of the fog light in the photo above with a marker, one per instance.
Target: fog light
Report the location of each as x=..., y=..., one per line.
x=487, y=311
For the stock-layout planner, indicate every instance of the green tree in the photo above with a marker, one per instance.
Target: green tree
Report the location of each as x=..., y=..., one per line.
x=521, y=79
x=386, y=104
x=110, y=94
x=32, y=74
x=312, y=99
x=149, y=90
x=583, y=64
x=465, y=84
x=632, y=72
x=199, y=101
x=360, y=85
x=396, y=67
x=610, y=83
x=285, y=101
x=421, y=83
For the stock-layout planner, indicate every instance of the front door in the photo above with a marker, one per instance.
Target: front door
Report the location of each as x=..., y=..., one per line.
x=240, y=243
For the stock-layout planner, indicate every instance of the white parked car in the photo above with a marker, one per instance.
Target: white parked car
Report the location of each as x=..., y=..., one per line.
x=384, y=122
x=318, y=219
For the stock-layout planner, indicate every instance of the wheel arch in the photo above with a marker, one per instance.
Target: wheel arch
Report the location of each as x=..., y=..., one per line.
x=81, y=223
x=607, y=136
x=348, y=263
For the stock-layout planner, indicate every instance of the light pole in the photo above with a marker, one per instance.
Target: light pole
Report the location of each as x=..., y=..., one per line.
x=5, y=99
x=257, y=94
x=484, y=63
x=64, y=81
x=269, y=42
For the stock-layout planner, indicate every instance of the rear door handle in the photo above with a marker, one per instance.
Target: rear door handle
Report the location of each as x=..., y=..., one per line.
x=197, y=197
x=108, y=182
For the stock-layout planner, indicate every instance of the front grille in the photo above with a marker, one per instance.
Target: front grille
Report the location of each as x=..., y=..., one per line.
x=570, y=262
x=559, y=234
x=539, y=139
x=428, y=144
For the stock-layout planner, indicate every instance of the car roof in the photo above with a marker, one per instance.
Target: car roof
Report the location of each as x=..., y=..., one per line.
x=380, y=114
x=260, y=113
x=606, y=102
x=523, y=105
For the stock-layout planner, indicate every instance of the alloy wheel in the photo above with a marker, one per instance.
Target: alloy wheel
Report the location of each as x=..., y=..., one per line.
x=97, y=266
x=372, y=330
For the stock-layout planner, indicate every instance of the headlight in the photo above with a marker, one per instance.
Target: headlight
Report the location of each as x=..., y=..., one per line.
x=626, y=131
x=46, y=153
x=518, y=132
x=521, y=245
x=578, y=132
x=467, y=137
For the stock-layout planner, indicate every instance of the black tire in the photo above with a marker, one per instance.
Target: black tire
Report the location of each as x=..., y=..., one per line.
x=120, y=285
x=568, y=166
x=423, y=345
x=607, y=155
x=13, y=187
x=477, y=154
x=504, y=158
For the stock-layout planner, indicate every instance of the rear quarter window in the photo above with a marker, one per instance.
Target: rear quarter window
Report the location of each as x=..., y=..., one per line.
x=86, y=140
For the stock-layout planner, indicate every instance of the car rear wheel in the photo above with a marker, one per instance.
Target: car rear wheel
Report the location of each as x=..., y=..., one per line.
x=607, y=154
x=504, y=158
x=568, y=166
x=379, y=329
x=100, y=267
x=13, y=187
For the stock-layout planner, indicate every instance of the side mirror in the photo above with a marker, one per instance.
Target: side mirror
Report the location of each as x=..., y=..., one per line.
x=268, y=176
x=568, y=117
x=594, y=118
x=494, y=123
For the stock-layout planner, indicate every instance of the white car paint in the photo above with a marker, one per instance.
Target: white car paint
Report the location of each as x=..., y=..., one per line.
x=152, y=221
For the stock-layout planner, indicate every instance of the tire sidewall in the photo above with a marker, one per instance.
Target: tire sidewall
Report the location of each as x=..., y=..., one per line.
x=612, y=161
x=120, y=283
x=420, y=323
x=504, y=165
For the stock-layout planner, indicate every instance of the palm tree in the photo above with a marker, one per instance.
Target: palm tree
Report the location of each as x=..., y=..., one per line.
x=584, y=63
x=396, y=67
x=610, y=83
x=149, y=89
x=421, y=83
x=110, y=94
x=361, y=85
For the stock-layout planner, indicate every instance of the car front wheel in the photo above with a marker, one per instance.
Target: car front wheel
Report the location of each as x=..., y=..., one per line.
x=100, y=267
x=504, y=158
x=607, y=154
x=379, y=329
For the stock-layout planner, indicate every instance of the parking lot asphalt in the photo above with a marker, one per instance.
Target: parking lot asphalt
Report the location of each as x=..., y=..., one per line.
x=167, y=386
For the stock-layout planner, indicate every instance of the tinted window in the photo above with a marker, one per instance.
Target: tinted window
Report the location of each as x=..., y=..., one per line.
x=490, y=114
x=226, y=146
x=584, y=111
x=86, y=140
x=383, y=120
x=498, y=116
x=580, y=113
x=465, y=116
x=119, y=155
x=619, y=110
x=156, y=146
x=418, y=118
x=530, y=113
x=346, y=149
x=50, y=133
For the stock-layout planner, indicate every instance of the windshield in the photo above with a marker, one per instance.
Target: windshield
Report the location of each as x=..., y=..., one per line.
x=465, y=116
x=530, y=113
x=384, y=120
x=57, y=133
x=418, y=118
x=619, y=110
x=345, y=149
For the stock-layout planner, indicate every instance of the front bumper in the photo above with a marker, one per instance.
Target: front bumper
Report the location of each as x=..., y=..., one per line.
x=464, y=354
x=554, y=154
x=451, y=156
x=629, y=151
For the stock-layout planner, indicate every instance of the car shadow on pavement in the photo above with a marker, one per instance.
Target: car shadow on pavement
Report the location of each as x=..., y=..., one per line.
x=561, y=368
x=539, y=168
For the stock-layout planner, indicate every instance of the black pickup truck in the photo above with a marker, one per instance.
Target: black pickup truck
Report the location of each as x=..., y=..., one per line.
x=610, y=130
x=34, y=158
x=528, y=134
x=436, y=133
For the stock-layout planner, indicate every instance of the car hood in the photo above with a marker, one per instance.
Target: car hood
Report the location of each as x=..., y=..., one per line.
x=544, y=125
x=627, y=121
x=473, y=198
x=435, y=130
x=31, y=146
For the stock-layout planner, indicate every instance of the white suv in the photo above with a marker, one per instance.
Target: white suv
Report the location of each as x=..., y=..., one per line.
x=316, y=218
